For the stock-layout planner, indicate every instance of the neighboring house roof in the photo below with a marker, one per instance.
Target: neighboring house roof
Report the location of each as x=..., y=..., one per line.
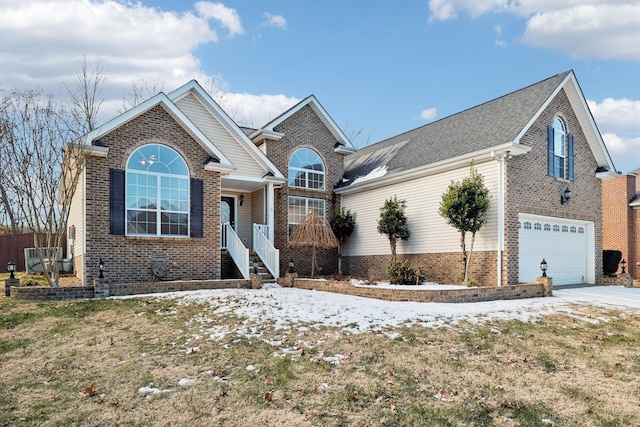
x=497, y=124
x=220, y=162
x=343, y=144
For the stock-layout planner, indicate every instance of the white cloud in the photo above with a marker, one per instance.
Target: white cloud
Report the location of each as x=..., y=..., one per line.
x=255, y=110
x=45, y=41
x=428, y=114
x=619, y=115
x=444, y=10
x=277, y=21
x=580, y=28
x=604, y=31
x=226, y=16
x=619, y=122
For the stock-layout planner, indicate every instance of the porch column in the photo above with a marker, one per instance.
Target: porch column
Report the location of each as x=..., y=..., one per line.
x=270, y=212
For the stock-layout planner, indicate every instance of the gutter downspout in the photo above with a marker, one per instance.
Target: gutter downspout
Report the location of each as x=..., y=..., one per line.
x=501, y=161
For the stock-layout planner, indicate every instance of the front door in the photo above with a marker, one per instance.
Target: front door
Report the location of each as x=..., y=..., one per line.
x=228, y=211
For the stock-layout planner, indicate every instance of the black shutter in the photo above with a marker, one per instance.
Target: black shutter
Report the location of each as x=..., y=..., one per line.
x=196, y=208
x=570, y=156
x=116, y=201
x=550, y=158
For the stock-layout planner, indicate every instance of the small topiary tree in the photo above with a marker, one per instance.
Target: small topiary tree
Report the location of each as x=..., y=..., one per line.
x=343, y=222
x=393, y=222
x=464, y=205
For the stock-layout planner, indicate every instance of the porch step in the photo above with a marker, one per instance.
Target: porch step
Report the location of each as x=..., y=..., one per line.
x=263, y=272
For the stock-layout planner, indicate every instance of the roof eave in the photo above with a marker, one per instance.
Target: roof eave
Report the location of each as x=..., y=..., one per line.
x=507, y=149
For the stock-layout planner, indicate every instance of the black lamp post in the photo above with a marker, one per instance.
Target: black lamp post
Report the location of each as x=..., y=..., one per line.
x=101, y=268
x=623, y=264
x=11, y=268
x=291, y=265
x=543, y=267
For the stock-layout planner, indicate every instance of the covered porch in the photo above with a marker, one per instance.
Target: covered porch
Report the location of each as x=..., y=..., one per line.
x=247, y=226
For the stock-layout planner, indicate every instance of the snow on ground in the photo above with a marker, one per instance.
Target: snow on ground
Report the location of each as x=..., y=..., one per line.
x=290, y=308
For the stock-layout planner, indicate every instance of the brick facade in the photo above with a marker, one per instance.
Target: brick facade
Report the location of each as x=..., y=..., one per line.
x=529, y=189
x=129, y=258
x=620, y=221
x=304, y=129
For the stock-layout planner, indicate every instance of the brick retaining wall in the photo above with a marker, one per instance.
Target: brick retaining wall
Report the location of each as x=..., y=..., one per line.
x=522, y=290
x=34, y=293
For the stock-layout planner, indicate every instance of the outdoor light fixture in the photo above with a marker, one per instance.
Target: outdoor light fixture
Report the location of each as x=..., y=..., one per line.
x=543, y=267
x=241, y=199
x=101, y=268
x=623, y=264
x=11, y=268
x=291, y=265
x=255, y=266
x=565, y=197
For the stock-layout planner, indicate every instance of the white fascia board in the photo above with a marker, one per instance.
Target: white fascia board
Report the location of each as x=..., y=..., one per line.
x=604, y=176
x=97, y=151
x=262, y=134
x=341, y=149
x=230, y=125
x=481, y=156
x=588, y=124
x=217, y=167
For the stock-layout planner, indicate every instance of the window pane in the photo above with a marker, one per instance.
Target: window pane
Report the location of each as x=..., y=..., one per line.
x=141, y=222
x=175, y=224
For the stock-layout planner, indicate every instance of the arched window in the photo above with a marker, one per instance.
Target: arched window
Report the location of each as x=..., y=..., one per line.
x=560, y=147
x=306, y=170
x=559, y=134
x=157, y=192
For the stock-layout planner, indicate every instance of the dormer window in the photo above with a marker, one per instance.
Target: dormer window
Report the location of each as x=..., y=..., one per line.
x=306, y=170
x=560, y=151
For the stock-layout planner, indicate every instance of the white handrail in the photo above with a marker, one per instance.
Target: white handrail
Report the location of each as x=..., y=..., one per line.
x=239, y=253
x=269, y=255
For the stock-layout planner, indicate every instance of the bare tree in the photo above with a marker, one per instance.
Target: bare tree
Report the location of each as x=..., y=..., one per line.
x=44, y=160
x=85, y=95
x=43, y=168
x=140, y=91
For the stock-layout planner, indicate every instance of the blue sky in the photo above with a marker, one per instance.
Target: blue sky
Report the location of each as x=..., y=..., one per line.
x=379, y=67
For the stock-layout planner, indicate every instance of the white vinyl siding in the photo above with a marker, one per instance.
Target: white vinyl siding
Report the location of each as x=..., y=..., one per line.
x=430, y=233
x=221, y=137
x=76, y=218
x=258, y=207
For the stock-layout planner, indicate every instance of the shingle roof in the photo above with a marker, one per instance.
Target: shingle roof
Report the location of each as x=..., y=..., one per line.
x=495, y=122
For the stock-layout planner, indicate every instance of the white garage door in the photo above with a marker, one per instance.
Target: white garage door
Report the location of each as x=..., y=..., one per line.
x=567, y=245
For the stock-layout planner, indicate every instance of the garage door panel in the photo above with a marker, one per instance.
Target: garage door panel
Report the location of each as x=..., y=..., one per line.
x=563, y=243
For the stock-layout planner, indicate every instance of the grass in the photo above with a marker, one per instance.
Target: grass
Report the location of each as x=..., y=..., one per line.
x=149, y=361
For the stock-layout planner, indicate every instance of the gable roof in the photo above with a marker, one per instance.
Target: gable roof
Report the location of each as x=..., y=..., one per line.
x=343, y=144
x=91, y=139
x=497, y=124
x=238, y=133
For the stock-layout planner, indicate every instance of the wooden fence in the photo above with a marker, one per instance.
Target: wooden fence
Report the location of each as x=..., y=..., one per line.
x=12, y=246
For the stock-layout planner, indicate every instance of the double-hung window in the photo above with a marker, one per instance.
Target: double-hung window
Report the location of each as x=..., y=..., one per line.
x=299, y=207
